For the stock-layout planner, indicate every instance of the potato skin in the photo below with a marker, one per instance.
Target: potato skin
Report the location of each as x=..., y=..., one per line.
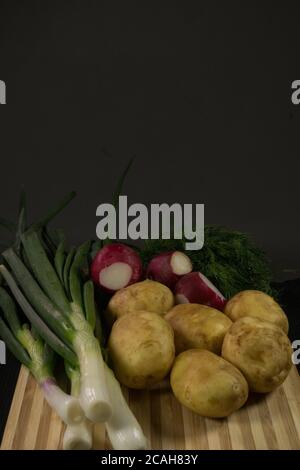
x=256, y=304
x=198, y=326
x=207, y=384
x=142, y=350
x=146, y=295
x=261, y=351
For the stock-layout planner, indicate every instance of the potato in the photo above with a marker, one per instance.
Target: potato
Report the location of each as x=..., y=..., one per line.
x=207, y=384
x=142, y=350
x=198, y=326
x=260, y=350
x=253, y=303
x=146, y=295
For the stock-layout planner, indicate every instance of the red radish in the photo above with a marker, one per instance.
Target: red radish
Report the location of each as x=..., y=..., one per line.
x=196, y=288
x=168, y=268
x=115, y=266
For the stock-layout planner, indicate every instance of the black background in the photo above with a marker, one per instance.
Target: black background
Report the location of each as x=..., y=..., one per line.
x=200, y=91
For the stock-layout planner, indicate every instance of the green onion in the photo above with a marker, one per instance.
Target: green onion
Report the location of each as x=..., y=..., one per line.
x=46, y=293
x=122, y=428
x=9, y=310
x=44, y=271
x=20, y=229
x=94, y=397
x=30, y=350
x=66, y=272
x=56, y=320
x=13, y=345
x=56, y=344
x=75, y=278
x=59, y=260
x=77, y=436
x=89, y=303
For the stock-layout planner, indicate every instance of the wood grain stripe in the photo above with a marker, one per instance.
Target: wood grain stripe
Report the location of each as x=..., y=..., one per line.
x=235, y=432
x=177, y=424
x=218, y=436
x=287, y=418
x=44, y=426
x=139, y=403
x=280, y=428
x=172, y=430
x=224, y=435
x=291, y=385
x=245, y=428
x=256, y=424
x=267, y=422
x=267, y=425
x=194, y=430
x=34, y=418
x=213, y=436
x=156, y=441
x=20, y=434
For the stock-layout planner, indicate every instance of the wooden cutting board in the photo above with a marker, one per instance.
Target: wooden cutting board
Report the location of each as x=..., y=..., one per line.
x=267, y=422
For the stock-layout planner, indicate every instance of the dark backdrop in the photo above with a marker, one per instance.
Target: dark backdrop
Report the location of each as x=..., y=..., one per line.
x=199, y=91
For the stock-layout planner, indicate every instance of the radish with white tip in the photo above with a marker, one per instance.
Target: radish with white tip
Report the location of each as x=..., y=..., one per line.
x=116, y=266
x=167, y=268
x=196, y=288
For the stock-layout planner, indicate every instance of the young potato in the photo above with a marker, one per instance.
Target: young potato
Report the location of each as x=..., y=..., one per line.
x=198, y=326
x=253, y=303
x=207, y=384
x=261, y=351
x=142, y=350
x=146, y=295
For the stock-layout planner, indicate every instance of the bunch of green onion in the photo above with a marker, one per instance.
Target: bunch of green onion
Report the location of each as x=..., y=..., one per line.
x=29, y=348
x=47, y=282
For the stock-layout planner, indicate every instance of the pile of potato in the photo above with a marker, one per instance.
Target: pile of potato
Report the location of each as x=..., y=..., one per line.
x=214, y=359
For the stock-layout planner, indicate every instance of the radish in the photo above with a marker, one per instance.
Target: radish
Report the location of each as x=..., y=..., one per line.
x=167, y=268
x=196, y=288
x=115, y=266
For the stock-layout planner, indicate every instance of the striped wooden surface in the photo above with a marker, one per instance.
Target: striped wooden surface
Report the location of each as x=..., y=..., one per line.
x=267, y=422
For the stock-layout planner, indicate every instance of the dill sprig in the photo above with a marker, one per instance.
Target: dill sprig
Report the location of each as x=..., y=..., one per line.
x=230, y=259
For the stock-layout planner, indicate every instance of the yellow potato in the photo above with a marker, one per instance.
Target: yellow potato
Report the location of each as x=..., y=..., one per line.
x=207, y=384
x=142, y=350
x=147, y=295
x=253, y=303
x=198, y=326
x=261, y=351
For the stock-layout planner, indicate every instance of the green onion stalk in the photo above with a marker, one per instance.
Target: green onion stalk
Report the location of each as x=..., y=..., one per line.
x=57, y=302
x=123, y=429
x=46, y=281
x=29, y=348
x=77, y=436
